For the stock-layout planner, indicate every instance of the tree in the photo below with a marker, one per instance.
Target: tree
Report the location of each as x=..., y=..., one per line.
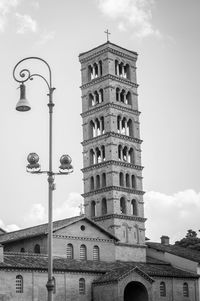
x=190, y=241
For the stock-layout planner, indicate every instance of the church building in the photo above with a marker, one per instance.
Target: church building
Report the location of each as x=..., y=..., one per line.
x=102, y=255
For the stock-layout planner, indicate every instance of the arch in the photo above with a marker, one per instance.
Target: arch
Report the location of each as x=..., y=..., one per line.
x=97, y=182
x=91, y=129
x=133, y=181
x=125, y=153
x=129, y=98
x=185, y=289
x=95, y=73
x=122, y=96
x=70, y=251
x=127, y=71
x=93, y=208
x=117, y=94
x=121, y=179
x=130, y=128
x=103, y=153
x=119, y=152
x=162, y=289
x=37, y=249
x=131, y=157
x=102, y=129
x=83, y=252
x=103, y=180
x=104, y=206
x=91, y=157
x=91, y=100
x=92, y=183
x=134, y=207
x=116, y=67
x=98, y=156
x=135, y=290
x=82, y=286
x=101, y=95
x=90, y=72
x=122, y=205
x=96, y=253
x=19, y=284
x=100, y=68
x=96, y=98
x=127, y=180
x=22, y=250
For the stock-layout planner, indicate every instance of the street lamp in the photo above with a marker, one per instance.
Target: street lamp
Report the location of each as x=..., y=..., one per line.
x=33, y=159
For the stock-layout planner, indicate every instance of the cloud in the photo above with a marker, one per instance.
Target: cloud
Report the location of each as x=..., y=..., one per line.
x=5, y=8
x=135, y=15
x=26, y=24
x=46, y=37
x=70, y=207
x=37, y=213
x=8, y=228
x=171, y=215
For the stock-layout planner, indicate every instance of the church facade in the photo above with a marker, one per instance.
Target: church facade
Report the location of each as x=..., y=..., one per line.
x=102, y=254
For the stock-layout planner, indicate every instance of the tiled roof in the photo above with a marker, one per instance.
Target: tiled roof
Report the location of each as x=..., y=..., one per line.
x=111, y=271
x=176, y=250
x=43, y=229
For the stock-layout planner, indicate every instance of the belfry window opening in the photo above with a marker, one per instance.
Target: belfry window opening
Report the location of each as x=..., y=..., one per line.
x=96, y=98
x=96, y=127
x=95, y=70
x=122, y=69
x=122, y=205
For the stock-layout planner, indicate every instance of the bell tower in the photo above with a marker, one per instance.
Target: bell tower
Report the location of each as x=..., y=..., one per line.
x=112, y=170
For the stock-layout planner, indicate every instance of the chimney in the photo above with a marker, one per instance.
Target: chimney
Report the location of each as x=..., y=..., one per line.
x=165, y=240
x=1, y=253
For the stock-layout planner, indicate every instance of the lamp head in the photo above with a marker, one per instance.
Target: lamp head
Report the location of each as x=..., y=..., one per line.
x=23, y=104
x=33, y=160
x=65, y=166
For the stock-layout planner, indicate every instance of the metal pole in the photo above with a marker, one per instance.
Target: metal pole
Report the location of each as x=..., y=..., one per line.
x=50, y=283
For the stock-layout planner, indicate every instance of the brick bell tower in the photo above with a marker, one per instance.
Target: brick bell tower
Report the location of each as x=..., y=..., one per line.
x=112, y=171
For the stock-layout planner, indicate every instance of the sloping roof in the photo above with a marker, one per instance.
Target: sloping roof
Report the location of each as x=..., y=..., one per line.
x=43, y=229
x=176, y=250
x=110, y=271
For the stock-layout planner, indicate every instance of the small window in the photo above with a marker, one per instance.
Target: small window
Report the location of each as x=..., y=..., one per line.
x=96, y=256
x=83, y=252
x=22, y=250
x=19, y=284
x=185, y=289
x=37, y=249
x=82, y=286
x=162, y=289
x=70, y=251
x=82, y=228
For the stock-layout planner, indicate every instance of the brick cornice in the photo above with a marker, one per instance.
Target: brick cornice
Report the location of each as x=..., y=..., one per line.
x=110, y=188
x=112, y=162
x=111, y=134
x=119, y=216
x=91, y=54
x=102, y=107
x=112, y=77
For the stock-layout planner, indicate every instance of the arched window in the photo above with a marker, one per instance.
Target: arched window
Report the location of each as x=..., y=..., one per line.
x=91, y=100
x=133, y=181
x=120, y=152
x=125, y=153
x=128, y=98
x=22, y=250
x=97, y=182
x=127, y=180
x=91, y=157
x=93, y=208
x=122, y=96
x=123, y=205
x=96, y=256
x=134, y=207
x=104, y=206
x=131, y=158
x=92, y=183
x=100, y=68
x=91, y=129
x=90, y=72
x=70, y=251
x=185, y=289
x=162, y=289
x=121, y=179
x=130, y=128
x=19, y=284
x=82, y=286
x=127, y=71
x=101, y=95
x=103, y=179
x=116, y=67
x=117, y=94
x=37, y=249
x=83, y=252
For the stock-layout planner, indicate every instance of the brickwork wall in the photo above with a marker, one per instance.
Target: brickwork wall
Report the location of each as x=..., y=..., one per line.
x=28, y=245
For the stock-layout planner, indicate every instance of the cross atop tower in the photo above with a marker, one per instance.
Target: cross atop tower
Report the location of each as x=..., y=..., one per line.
x=107, y=33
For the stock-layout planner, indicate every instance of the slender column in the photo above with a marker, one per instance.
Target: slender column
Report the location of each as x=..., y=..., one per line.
x=118, y=69
x=120, y=125
x=126, y=129
x=100, y=97
x=95, y=129
x=123, y=71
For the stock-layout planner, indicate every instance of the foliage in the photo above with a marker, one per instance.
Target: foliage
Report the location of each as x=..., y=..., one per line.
x=190, y=241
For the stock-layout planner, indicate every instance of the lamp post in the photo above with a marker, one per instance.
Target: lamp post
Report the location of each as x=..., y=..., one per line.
x=33, y=166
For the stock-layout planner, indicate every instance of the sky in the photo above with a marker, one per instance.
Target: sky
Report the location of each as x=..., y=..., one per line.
x=166, y=36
